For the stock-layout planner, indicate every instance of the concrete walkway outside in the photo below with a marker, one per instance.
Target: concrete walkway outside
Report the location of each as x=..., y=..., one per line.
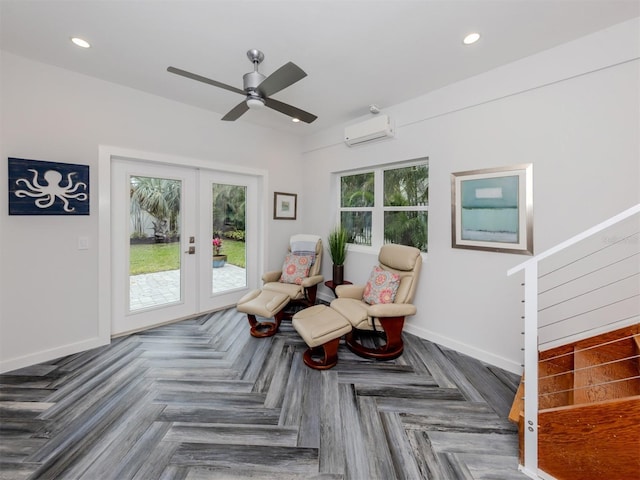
x=151, y=289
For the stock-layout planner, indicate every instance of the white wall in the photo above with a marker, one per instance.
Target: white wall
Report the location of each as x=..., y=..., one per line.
x=48, y=288
x=573, y=112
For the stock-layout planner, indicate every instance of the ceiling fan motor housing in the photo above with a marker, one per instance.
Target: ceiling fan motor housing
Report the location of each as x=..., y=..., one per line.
x=251, y=81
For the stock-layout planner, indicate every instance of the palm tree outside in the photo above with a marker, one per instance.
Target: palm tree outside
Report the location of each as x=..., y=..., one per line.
x=155, y=205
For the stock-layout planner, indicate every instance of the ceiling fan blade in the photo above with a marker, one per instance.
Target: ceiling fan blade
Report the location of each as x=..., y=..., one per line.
x=236, y=112
x=293, y=112
x=200, y=78
x=286, y=75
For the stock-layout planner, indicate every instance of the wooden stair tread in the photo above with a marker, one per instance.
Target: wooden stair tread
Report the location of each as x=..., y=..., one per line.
x=517, y=408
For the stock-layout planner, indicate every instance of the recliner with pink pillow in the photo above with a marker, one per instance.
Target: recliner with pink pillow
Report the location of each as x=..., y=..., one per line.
x=296, y=282
x=303, y=287
x=382, y=304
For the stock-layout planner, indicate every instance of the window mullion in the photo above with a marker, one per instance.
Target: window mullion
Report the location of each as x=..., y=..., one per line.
x=409, y=208
x=377, y=238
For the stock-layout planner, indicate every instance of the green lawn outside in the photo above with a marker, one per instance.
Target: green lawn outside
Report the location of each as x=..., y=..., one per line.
x=160, y=257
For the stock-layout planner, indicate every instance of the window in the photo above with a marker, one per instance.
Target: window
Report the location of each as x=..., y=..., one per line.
x=388, y=204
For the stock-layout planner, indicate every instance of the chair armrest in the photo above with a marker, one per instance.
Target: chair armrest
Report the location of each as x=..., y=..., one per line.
x=350, y=291
x=311, y=281
x=391, y=310
x=272, y=276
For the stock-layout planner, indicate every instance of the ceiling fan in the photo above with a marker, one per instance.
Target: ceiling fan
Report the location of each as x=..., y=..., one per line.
x=258, y=88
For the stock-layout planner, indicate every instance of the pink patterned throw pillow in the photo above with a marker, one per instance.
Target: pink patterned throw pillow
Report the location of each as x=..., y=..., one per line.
x=381, y=287
x=296, y=268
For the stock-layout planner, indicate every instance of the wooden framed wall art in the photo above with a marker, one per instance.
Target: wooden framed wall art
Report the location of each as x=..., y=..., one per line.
x=285, y=206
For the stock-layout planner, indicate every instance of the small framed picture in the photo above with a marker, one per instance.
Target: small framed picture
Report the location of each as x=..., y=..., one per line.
x=285, y=206
x=492, y=209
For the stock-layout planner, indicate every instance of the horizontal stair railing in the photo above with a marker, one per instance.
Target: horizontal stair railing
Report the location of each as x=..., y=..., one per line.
x=581, y=288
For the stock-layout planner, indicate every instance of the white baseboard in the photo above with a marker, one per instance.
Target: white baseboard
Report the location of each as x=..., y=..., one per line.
x=47, y=355
x=474, y=352
x=470, y=350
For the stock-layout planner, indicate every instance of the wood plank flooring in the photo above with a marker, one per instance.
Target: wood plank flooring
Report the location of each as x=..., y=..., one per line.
x=202, y=399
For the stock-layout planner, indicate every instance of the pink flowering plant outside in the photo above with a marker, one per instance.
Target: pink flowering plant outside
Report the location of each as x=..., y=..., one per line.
x=217, y=245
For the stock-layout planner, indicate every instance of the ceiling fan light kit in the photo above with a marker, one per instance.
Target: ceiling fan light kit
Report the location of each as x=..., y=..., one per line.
x=258, y=89
x=255, y=103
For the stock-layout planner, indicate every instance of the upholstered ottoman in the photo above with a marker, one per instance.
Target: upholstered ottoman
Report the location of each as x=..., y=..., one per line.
x=321, y=328
x=264, y=303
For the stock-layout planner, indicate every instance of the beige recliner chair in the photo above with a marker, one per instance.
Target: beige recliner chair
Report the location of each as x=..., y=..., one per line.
x=303, y=292
x=297, y=282
x=363, y=307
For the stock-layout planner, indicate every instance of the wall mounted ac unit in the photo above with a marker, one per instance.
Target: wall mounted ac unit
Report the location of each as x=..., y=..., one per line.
x=375, y=128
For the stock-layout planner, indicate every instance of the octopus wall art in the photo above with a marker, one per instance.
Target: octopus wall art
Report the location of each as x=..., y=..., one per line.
x=47, y=188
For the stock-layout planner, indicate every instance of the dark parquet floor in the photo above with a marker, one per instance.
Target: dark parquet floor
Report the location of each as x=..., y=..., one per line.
x=202, y=399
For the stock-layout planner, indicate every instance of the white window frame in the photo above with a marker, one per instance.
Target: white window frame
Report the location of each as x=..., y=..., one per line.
x=378, y=209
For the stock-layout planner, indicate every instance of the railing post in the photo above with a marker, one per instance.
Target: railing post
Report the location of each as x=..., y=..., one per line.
x=530, y=467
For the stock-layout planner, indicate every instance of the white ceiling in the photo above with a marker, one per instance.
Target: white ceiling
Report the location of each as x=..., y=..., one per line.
x=355, y=52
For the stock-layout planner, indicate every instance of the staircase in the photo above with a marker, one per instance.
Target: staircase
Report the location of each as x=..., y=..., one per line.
x=589, y=408
x=578, y=406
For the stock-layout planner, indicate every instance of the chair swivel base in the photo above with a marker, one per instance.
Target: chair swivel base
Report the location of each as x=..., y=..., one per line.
x=393, y=347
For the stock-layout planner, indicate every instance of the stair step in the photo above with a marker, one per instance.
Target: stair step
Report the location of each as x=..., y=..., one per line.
x=517, y=408
x=555, y=377
x=591, y=441
x=606, y=372
x=589, y=407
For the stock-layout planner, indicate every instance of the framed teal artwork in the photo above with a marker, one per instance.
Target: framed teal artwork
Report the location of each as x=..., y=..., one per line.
x=492, y=209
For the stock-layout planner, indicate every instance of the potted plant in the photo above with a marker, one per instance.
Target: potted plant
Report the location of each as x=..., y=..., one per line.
x=219, y=259
x=338, y=250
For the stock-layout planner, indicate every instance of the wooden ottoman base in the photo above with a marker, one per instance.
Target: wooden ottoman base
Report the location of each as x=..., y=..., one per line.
x=266, y=304
x=328, y=354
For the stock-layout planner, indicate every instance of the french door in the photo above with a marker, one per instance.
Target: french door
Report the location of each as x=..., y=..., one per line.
x=168, y=222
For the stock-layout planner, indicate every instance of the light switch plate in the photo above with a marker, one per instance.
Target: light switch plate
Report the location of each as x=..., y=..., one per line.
x=83, y=243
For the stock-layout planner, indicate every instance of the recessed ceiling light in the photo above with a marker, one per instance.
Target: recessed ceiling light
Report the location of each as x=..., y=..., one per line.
x=471, y=38
x=295, y=120
x=80, y=42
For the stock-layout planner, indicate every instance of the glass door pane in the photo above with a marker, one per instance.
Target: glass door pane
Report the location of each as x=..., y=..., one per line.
x=228, y=226
x=154, y=242
x=228, y=221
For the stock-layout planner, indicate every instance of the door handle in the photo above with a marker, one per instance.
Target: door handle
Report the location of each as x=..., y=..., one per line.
x=191, y=250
